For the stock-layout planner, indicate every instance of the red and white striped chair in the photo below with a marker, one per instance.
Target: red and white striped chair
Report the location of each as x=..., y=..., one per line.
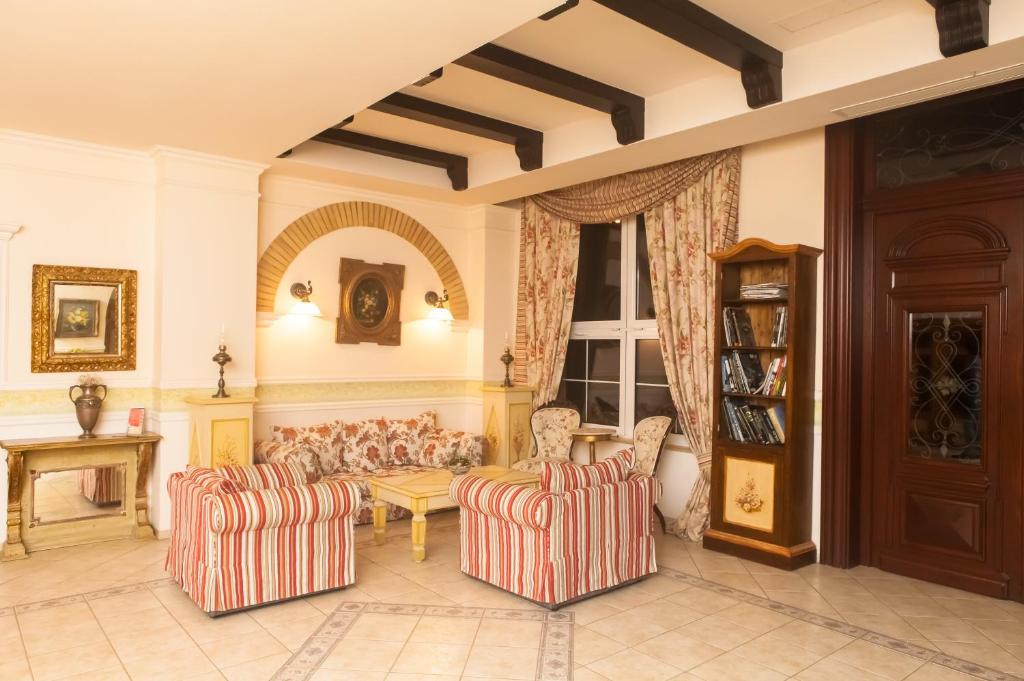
x=248, y=535
x=586, y=530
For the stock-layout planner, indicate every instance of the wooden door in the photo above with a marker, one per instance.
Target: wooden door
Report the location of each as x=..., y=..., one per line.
x=946, y=349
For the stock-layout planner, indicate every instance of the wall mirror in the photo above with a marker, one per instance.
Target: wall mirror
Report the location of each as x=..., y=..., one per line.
x=77, y=494
x=83, y=319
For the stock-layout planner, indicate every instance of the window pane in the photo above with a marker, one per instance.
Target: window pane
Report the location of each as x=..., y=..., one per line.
x=604, y=360
x=576, y=360
x=575, y=392
x=650, y=365
x=652, y=401
x=598, y=282
x=603, y=404
x=644, y=296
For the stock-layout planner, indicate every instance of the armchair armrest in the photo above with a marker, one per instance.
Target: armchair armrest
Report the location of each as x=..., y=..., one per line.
x=285, y=506
x=513, y=503
x=267, y=475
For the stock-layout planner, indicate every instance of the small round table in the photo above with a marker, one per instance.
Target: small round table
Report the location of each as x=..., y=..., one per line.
x=592, y=435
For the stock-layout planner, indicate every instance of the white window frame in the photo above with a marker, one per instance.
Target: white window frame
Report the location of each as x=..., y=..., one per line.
x=627, y=330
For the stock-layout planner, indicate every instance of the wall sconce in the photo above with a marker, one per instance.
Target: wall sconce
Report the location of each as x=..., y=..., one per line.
x=303, y=305
x=439, y=306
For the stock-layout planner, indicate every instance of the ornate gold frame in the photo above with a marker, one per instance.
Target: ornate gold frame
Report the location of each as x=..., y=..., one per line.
x=389, y=331
x=44, y=360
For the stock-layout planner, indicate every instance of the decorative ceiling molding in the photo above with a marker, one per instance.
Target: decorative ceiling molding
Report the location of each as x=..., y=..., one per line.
x=529, y=144
x=962, y=24
x=759, y=64
x=294, y=238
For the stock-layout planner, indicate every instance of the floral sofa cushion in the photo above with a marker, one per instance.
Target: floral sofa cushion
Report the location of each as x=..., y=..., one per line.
x=405, y=437
x=442, y=444
x=365, y=447
x=326, y=439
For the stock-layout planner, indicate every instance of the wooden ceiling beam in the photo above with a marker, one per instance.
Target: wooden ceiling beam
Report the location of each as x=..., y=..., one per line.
x=759, y=64
x=564, y=7
x=456, y=166
x=528, y=143
x=430, y=77
x=962, y=24
x=625, y=108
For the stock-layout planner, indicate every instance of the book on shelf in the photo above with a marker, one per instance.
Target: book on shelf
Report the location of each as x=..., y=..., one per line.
x=746, y=375
x=765, y=290
x=774, y=384
x=753, y=423
x=780, y=326
x=738, y=328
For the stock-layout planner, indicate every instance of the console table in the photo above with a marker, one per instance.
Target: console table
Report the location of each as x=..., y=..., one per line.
x=129, y=456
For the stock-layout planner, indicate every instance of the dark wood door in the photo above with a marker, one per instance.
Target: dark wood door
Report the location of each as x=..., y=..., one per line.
x=945, y=380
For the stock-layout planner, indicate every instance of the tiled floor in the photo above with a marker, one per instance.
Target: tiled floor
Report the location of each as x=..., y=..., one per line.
x=707, y=616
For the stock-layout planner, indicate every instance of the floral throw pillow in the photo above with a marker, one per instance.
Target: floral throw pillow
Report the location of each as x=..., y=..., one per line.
x=406, y=436
x=366, y=446
x=269, y=451
x=439, y=447
x=326, y=439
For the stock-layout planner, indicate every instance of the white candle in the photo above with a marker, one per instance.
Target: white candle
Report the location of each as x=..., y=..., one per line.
x=223, y=328
x=506, y=339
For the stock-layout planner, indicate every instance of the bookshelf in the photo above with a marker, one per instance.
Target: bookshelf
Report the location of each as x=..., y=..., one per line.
x=763, y=444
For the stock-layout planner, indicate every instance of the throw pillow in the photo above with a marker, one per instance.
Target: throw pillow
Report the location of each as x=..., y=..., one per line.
x=406, y=436
x=269, y=451
x=365, y=447
x=439, y=447
x=326, y=439
x=561, y=477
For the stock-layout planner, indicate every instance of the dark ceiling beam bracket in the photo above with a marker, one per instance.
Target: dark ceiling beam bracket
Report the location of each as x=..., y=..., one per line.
x=625, y=108
x=962, y=24
x=457, y=167
x=564, y=7
x=528, y=143
x=759, y=64
x=430, y=77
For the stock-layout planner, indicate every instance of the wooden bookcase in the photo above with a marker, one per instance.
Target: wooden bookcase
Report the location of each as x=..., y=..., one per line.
x=776, y=528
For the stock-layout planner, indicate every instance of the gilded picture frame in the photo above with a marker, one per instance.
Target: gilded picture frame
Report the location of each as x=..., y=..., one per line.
x=112, y=348
x=371, y=301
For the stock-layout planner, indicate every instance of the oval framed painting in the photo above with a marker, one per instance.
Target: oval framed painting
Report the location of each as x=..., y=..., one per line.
x=371, y=298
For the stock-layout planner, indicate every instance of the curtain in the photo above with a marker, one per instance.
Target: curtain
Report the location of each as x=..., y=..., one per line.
x=549, y=249
x=681, y=233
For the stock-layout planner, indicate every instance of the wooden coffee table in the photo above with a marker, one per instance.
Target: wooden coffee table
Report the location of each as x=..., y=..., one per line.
x=428, y=491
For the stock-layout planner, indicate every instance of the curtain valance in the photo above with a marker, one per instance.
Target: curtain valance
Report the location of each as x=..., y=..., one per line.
x=629, y=193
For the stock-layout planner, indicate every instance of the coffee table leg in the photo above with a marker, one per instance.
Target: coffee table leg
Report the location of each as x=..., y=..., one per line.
x=380, y=520
x=419, y=537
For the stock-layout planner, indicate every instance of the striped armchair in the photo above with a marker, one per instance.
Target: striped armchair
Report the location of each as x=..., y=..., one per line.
x=555, y=545
x=248, y=535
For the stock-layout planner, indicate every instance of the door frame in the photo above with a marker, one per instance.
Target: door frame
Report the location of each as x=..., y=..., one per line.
x=846, y=492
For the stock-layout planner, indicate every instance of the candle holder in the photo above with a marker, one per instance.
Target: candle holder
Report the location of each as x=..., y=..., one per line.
x=507, y=360
x=221, y=358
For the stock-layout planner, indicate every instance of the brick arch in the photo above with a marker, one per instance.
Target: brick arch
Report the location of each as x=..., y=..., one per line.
x=287, y=245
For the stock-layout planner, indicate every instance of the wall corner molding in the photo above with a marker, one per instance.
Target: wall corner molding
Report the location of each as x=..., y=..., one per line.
x=7, y=232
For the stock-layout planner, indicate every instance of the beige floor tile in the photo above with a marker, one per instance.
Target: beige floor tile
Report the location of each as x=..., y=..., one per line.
x=421, y=677
x=282, y=613
x=990, y=609
x=890, y=624
x=914, y=606
x=877, y=660
x=509, y=633
x=755, y=618
x=946, y=629
x=834, y=670
x=255, y=670
x=578, y=674
x=379, y=627
x=588, y=645
x=742, y=582
x=661, y=586
x=632, y=665
x=342, y=675
x=102, y=675
x=627, y=597
x=888, y=586
x=183, y=663
x=811, y=601
x=591, y=610
x=434, y=629
x=719, y=632
x=232, y=651
x=666, y=614
x=15, y=669
x=627, y=627
x=360, y=655
x=293, y=634
x=679, y=650
x=124, y=604
x=41, y=639
x=786, y=658
x=732, y=667
x=934, y=672
x=203, y=628
x=985, y=654
x=814, y=638
x=703, y=600
x=437, y=658
x=859, y=605
x=837, y=586
x=783, y=582
x=87, y=658
x=1000, y=631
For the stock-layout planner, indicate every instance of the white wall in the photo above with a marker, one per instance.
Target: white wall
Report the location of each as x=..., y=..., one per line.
x=782, y=199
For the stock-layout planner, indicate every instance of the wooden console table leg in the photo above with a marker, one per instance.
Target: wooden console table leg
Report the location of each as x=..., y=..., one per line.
x=14, y=549
x=143, y=528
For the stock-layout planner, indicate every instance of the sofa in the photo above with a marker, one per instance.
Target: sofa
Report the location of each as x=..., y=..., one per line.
x=243, y=536
x=586, y=530
x=355, y=451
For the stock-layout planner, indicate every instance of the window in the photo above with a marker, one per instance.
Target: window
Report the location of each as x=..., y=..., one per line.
x=614, y=372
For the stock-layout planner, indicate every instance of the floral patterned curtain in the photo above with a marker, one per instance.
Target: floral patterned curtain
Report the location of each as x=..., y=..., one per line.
x=681, y=233
x=549, y=250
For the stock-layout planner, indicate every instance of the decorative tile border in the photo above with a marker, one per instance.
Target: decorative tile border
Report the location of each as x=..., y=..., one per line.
x=554, y=663
x=895, y=644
